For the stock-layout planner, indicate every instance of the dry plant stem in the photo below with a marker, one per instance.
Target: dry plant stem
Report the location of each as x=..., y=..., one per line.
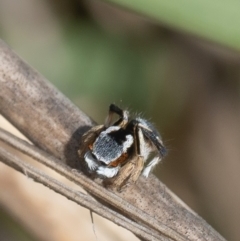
x=54, y=124
x=76, y=196
x=72, y=175
x=80, y=179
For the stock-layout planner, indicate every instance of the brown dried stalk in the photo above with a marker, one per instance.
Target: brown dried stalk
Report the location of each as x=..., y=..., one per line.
x=55, y=125
x=80, y=179
x=76, y=196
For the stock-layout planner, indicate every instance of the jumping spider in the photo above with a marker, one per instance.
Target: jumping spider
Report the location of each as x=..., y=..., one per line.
x=119, y=149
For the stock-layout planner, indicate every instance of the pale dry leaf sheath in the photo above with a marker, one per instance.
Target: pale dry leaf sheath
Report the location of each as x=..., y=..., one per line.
x=36, y=108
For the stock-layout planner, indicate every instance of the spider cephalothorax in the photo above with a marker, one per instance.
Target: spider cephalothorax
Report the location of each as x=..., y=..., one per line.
x=119, y=150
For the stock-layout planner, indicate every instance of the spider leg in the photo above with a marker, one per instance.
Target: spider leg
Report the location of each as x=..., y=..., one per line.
x=140, y=154
x=138, y=166
x=91, y=162
x=123, y=175
x=153, y=136
x=150, y=166
x=88, y=139
x=123, y=114
x=131, y=171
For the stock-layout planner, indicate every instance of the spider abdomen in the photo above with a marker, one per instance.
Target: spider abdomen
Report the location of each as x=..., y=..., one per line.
x=111, y=144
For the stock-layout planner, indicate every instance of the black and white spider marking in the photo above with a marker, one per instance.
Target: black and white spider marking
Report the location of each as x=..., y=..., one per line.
x=120, y=149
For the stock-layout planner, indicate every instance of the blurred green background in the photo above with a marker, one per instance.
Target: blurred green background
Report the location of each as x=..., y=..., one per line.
x=176, y=62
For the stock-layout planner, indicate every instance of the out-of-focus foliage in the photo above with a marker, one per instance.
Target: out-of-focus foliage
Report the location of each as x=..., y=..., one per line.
x=214, y=20
x=167, y=64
